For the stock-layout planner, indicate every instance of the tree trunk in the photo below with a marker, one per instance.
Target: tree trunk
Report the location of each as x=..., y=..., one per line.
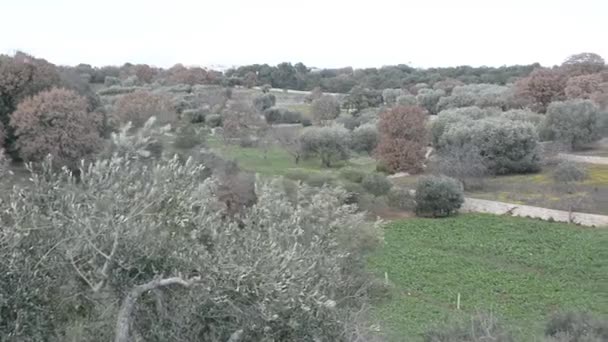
x=123, y=322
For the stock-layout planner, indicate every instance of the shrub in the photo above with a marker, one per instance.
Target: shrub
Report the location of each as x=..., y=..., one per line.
x=213, y=120
x=2, y=135
x=187, y=138
x=354, y=192
x=569, y=172
x=428, y=98
x=390, y=95
x=407, y=100
x=264, y=101
x=281, y=115
x=574, y=122
x=400, y=198
x=330, y=144
x=576, y=327
x=480, y=328
x=438, y=196
x=365, y=138
x=110, y=81
x=382, y=167
x=325, y=108
x=463, y=162
x=273, y=115
x=56, y=122
x=402, y=138
x=506, y=146
x=449, y=117
x=353, y=175
x=306, y=122
x=141, y=105
x=118, y=90
x=291, y=117
x=194, y=115
x=376, y=184
x=348, y=121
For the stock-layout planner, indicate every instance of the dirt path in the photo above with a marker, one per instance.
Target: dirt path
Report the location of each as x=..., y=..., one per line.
x=584, y=159
x=502, y=208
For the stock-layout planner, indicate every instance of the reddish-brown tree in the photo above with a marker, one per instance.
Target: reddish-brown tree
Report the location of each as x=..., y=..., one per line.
x=139, y=106
x=145, y=73
x=56, y=122
x=179, y=74
x=542, y=87
x=583, y=86
x=403, y=138
x=583, y=63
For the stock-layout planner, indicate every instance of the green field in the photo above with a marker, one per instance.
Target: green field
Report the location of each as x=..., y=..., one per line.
x=522, y=270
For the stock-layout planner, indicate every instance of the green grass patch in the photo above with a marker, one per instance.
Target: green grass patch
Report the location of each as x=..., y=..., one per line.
x=278, y=162
x=520, y=269
x=598, y=175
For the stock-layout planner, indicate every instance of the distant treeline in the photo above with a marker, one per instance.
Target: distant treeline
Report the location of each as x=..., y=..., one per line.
x=300, y=77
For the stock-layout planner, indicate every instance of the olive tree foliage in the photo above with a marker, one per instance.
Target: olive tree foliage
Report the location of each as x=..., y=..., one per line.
x=480, y=95
x=364, y=138
x=330, y=143
x=506, y=146
x=264, y=101
x=428, y=99
x=56, y=122
x=452, y=116
x=132, y=252
x=325, y=108
x=463, y=162
x=390, y=95
x=438, y=196
x=574, y=122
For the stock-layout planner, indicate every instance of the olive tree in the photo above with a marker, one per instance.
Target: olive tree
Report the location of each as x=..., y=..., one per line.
x=428, y=99
x=130, y=252
x=325, y=108
x=438, y=196
x=573, y=122
x=506, y=146
x=364, y=138
x=329, y=143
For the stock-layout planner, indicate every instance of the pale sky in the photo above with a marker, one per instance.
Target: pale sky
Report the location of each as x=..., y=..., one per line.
x=321, y=33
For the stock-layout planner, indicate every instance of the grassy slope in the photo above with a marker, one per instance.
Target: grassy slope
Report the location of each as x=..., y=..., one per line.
x=520, y=269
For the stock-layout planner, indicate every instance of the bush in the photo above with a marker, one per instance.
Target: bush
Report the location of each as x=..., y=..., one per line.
x=407, y=100
x=449, y=117
x=376, y=184
x=574, y=122
x=187, y=138
x=354, y=192
x=281, y=115
x=400, y=198
x=382, y=167
x=364, y=139
x=325, y=108
x=438, y=196
x=402, y=138
x=2, y=135
x=110, y=81
x=139, y=106
x=428, y=98
x=56, y=122
x=576, y=327
x=348, y=121
x=353, y=175
x=194, y=115
x=264, y=101
x=506, y=146
x=213, y=120
x=569, y=172
x=480, y=328
x=118, y=90
x=330, y=144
